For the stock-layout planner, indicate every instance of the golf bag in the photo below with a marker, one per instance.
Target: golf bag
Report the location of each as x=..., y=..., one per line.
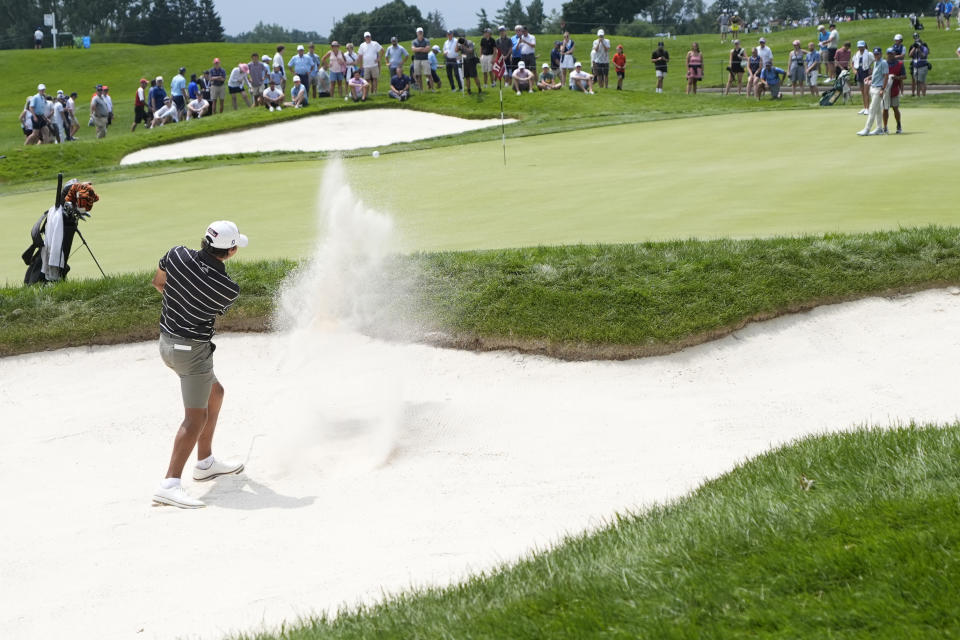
x=829, y=97
x=52, y=235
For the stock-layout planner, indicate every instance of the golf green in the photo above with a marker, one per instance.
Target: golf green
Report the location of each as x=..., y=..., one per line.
x=756, y=174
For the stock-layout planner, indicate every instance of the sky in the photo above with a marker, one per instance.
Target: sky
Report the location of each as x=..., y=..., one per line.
x=319, y=15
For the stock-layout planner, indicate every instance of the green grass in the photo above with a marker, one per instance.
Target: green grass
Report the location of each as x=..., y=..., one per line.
x=576, y=301
x=870, y=550
x=121, y=66
x=608, y=184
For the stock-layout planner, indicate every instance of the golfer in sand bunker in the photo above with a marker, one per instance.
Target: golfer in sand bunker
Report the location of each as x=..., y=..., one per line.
x=195, y=288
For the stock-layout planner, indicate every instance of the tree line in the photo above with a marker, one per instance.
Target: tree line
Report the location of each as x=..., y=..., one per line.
x=139, y=21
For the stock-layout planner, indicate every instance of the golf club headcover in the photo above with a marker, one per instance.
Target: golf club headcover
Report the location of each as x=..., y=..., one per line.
x=82, y=196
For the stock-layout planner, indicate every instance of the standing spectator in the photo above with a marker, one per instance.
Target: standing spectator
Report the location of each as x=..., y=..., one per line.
x=100, y=112
x=338, y=66
x=298, y=94
x=452, y=59
x=862, y=61
x=218, y=85
x=468, y=53
x=947, y=12
x=601, y=60
x=938, y=10
x=140, y=105
x=841, y=60
x=515, y=51
x=371, y=56
x=238, y=83
x=899, y=51
x=724, y=21
x=505, y=46
x=797, y=69
x=878, y=79
x=487, y=48
x=109, y=101
x=166, y=113
x=28, y=124
x=522, y=79
x=359, y=88
x=833, y=45
x=735, y=68
x=197, y=107
x=580, y=80
x=258, y=77
x=547, y=80
x=302, y=65
x=421, y=64
x=350, y=57
x=567, y=46
x=399, y=85
x=891, y=98
x=765, y=53
x=434, y=65
x=823, y=38
x=205, y=83
x=278, y=60
x=38, y=109
x=273, y=97
x=812, y=61
x=323, y=81
x=38, y=38
x=620, y=66
x=528, y=49
x=315, y=74
x=694, y=68
x=396, y=57
x=919, y=67
x=72, y=110
x=178, y=91
x=769, y=79
x=660, y=58
x=555, y=56
x=57, y=118
x=156, y=95
x=736, y=23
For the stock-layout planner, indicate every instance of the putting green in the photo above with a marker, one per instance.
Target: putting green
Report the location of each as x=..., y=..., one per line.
x=754, y=174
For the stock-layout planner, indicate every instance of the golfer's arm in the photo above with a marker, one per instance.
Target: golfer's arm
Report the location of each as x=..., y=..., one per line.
x=159, y=280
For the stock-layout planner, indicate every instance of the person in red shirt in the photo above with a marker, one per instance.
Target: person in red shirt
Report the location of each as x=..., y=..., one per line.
x=620, y=66
x=140, y=105
x=892, y=97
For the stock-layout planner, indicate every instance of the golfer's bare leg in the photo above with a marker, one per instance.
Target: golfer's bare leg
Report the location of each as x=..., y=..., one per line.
x=205, y=441
x=193, y=423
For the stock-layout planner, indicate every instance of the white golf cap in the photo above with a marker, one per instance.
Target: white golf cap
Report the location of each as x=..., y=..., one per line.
x=898, y=37
x=545, y=65
x=501, y=28
x=600, y=32
x=224, y=234
x=419, y=29
x=296, y=78
x=265, y=58
x=521, y=65
x=366, y=34
x=861, y=43
x=518, y=27
x=299, y=47
x=41, y=87
x=578, y=64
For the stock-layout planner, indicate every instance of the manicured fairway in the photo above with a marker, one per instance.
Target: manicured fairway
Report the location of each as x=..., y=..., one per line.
x=757, y=174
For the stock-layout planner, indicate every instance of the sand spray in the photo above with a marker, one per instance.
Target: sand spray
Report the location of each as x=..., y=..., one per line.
x=338, y=391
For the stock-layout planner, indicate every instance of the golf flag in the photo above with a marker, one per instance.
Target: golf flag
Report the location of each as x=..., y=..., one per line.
x=499, y=65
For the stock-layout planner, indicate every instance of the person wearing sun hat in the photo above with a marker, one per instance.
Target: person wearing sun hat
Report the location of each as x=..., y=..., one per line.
x=239, y=82
x=196, y=288
x=861, y=63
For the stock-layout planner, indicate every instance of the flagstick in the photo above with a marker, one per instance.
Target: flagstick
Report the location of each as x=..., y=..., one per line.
x=503, y=133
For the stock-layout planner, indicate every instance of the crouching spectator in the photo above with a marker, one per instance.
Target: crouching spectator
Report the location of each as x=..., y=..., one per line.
x=197, y=107
x=522, y=79
x=547, y=81
x=359, y=88
x=580, y=80
x=273, y=97
x=400, y=85
x=769, y=80
x=298, y=94
x=166, y=113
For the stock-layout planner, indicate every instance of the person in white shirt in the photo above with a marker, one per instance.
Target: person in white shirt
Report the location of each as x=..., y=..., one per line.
x=522, y=78
x=71, y=109
x=452, y=58
x=765, y=53
x=38, y=39
x=580, y=80
x=278, y=60
x=197, y=107
x=166, y=113
x=238, y=82
x=371, y=56
x=601, y=59
x=58, y=119
x=528, y=48
x=273, y=97
x=862, y=65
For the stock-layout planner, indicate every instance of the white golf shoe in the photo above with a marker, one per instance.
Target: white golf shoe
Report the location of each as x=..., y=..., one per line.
x=216, y=470
x=176, y=497
x=863, y=132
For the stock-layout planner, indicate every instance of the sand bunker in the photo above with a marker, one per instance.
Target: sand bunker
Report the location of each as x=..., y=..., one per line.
x=340, y=131
x=420, y=465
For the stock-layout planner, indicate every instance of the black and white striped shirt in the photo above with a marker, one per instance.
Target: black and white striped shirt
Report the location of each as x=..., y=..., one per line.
x=197, y=290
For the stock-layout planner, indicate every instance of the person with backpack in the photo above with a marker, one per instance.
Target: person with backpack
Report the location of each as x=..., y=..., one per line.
x=919, y=65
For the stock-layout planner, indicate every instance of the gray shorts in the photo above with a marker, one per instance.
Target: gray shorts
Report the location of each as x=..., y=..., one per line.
x=192, y=360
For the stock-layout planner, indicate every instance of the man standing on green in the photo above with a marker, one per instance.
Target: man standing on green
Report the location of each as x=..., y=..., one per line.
x=196, y=288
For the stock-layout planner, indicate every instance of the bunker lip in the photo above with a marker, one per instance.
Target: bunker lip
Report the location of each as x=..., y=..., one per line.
x=493, y=454
x=338, y=131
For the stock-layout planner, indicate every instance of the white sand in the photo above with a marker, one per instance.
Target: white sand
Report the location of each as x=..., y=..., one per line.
x=423, y=464
x=341, y=131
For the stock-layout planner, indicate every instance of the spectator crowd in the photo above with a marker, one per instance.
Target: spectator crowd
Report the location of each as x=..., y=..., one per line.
x=273, y=82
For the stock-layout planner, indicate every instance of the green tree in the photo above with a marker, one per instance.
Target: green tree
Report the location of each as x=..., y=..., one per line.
x=483, y=22
x=790, y=9
x=435, y=26
x=396, y=18
x=535, y=17
x=209, y=27
x=553, y=23
x=587, y=15
x=511, y=14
